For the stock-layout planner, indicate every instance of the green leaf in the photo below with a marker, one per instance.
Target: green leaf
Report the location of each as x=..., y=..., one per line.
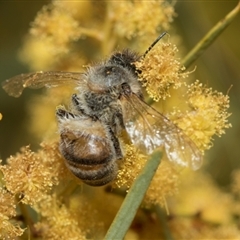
x=133, y=199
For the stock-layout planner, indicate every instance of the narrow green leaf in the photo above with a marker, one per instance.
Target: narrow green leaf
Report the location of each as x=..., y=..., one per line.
x=133, y=199
x=210, y=37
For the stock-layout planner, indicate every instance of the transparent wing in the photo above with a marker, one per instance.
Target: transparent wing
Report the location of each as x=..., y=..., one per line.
x=15, y=86
x=149, y=129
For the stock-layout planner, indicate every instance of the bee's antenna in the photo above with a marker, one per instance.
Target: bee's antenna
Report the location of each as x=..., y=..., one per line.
x=153, y=44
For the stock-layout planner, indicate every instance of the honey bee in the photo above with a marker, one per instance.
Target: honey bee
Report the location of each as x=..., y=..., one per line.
x=107, y=102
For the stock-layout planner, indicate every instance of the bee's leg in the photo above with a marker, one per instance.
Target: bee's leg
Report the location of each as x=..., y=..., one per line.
x=118, y=122
x=77, y=103
x=79, y=106
x=63, y=114
x=116, y=144
x=75, y=100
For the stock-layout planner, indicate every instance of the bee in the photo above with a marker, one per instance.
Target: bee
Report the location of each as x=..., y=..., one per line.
x=108, y=101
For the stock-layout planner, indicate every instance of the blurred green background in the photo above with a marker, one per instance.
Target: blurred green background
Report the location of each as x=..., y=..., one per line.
x=218, y=67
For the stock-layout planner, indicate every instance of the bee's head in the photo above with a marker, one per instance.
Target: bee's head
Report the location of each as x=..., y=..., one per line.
x=114, y=72
x=125, y=59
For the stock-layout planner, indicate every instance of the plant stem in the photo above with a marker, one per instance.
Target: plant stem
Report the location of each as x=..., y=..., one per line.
x=210, y=37
x=163, y=220
x=133, y=199
x=27, y=219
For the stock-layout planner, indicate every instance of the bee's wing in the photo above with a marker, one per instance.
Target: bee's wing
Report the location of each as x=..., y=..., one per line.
x=15, y=86
x=149, y=129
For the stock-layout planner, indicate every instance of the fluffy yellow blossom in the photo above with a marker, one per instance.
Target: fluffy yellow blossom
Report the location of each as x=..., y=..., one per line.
x=164, y=183
x=84, y=12
x=9, y=230
x=0, y=116
x=52, y=31
x=7, y=203
x=137, y=18
x=160, y=70
x=131, y=166
x=207, y=117
x=58, y=221
x=8, y=227
x=57, y=26
x=30, y=175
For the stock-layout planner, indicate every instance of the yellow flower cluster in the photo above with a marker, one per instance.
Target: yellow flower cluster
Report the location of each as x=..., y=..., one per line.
x=51, y=34
x=56, y=26
x=131, y=166
x=160, y=70
x=29, y=178
x=165, y=184
x=162, y=186
x=9, y=229
x=59, y=221
x=138, y=18
x=208, y=115
x=29, y=175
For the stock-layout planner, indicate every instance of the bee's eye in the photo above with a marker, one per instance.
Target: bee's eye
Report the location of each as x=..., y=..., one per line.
x=126, y=88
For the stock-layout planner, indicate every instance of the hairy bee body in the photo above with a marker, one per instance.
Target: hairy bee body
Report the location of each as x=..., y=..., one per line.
x=89, y=130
